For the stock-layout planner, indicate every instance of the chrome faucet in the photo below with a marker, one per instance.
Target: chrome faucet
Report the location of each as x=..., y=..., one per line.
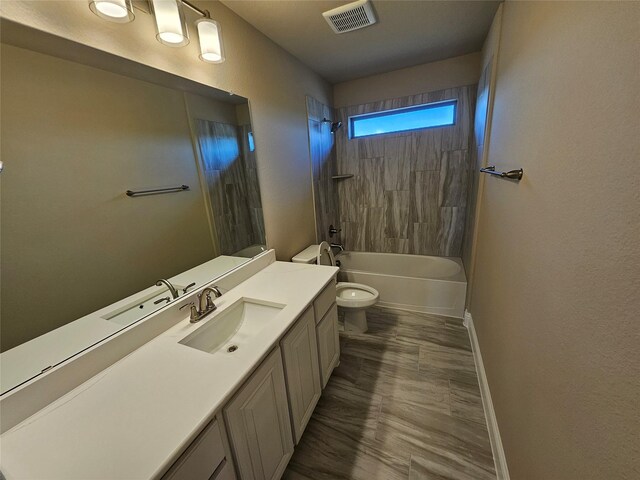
x=205, y=304
x=205, y=297
x=167, y=283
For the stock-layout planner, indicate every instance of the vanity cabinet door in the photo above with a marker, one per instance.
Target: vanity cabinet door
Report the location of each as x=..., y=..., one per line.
x=300, y=353
x=324, y=300
x=328, y=344
x=258, y=423
x=205, y=459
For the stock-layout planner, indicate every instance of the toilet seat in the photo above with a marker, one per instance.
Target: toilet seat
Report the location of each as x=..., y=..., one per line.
x=353, y=298
x=355, y=295
x=348, y=295
x=325, y=255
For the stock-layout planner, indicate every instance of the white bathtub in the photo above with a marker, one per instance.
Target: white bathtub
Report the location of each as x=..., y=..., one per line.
x=414, y=282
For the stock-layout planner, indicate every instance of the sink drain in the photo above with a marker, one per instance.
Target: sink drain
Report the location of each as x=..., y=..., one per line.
x=232, y=348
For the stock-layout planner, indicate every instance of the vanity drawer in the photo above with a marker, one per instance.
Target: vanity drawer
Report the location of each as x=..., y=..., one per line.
x=323, y=302
x=204, y=458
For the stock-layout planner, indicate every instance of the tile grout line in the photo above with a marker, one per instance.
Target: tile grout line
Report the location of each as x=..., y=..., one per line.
x=410, y=465
x=450, y=399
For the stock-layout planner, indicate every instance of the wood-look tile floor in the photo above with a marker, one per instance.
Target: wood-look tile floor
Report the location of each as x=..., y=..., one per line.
x=404, y=403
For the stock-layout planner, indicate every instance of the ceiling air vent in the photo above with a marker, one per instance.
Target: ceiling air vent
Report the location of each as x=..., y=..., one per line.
x=351, y=16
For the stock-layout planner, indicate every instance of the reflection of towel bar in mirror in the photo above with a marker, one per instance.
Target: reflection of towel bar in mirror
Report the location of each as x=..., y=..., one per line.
x=154, y=191
x=511, y=174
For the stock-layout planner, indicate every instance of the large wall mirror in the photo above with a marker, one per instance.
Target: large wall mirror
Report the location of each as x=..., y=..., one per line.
x=80, y=258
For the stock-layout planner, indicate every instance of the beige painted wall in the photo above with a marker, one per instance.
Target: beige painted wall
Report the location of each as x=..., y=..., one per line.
x=557, y=274
x=428, y=77
x=74, y=139
x=273, y=80
x=211, y=109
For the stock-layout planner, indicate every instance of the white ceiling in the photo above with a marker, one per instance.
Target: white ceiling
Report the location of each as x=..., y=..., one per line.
x=407, y=33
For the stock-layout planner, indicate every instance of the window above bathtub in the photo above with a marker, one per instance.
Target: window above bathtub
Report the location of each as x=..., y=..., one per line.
x=429, y=115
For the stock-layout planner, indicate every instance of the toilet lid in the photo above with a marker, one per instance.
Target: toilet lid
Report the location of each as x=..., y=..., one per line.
x=325, y=255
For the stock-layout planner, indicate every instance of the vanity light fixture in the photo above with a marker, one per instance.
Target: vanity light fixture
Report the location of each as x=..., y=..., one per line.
x=171, y=27
x=119, y=11
x=170, y=24
x=210, y=40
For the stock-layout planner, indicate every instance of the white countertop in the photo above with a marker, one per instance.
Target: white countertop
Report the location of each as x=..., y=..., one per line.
x=29, y=359
x=132, y=420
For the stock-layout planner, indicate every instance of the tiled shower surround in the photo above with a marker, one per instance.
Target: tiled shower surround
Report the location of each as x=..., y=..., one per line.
x=323, y=162
x=409, y=191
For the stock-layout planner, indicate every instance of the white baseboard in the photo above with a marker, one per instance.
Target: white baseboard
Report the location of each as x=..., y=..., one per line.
x=502, y=472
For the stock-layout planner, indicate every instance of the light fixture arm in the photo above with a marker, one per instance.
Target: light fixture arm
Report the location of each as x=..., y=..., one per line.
x=204, y=13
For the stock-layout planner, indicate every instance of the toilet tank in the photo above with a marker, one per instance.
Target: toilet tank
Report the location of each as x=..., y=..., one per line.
x=308, y=255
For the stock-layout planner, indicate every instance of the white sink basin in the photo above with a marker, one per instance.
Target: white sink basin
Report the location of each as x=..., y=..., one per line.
x=234, y=326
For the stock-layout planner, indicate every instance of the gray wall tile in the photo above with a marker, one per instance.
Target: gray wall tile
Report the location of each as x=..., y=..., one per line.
x=370, y=147
x=398, y=152
x=371, y=182
x=410, y=190
x=396, y=213
x=428, y=149
x=451, y=230
x=322, y=148
x=425, y=189
x=454, y=179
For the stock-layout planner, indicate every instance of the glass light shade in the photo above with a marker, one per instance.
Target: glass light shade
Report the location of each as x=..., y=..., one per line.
x=210, y=37
x=119, y=11
x=170, y=25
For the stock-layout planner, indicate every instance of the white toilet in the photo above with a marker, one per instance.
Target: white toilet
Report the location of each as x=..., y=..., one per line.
x=353, y=298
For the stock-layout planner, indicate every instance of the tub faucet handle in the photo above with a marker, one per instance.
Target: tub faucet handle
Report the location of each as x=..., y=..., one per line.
x=333, y=231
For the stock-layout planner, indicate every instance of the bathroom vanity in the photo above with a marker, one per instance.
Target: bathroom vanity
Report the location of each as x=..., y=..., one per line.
x=227, y=397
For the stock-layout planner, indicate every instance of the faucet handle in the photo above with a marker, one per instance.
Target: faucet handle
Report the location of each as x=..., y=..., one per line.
x=194, y=315
x=210, y=304
x=163, y=299
x=185, y=289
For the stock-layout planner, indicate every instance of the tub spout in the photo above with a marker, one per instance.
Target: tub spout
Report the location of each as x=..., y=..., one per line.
x=337, y=245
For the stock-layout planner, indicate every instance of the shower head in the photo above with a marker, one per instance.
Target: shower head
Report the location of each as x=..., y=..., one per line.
x=334, y=125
